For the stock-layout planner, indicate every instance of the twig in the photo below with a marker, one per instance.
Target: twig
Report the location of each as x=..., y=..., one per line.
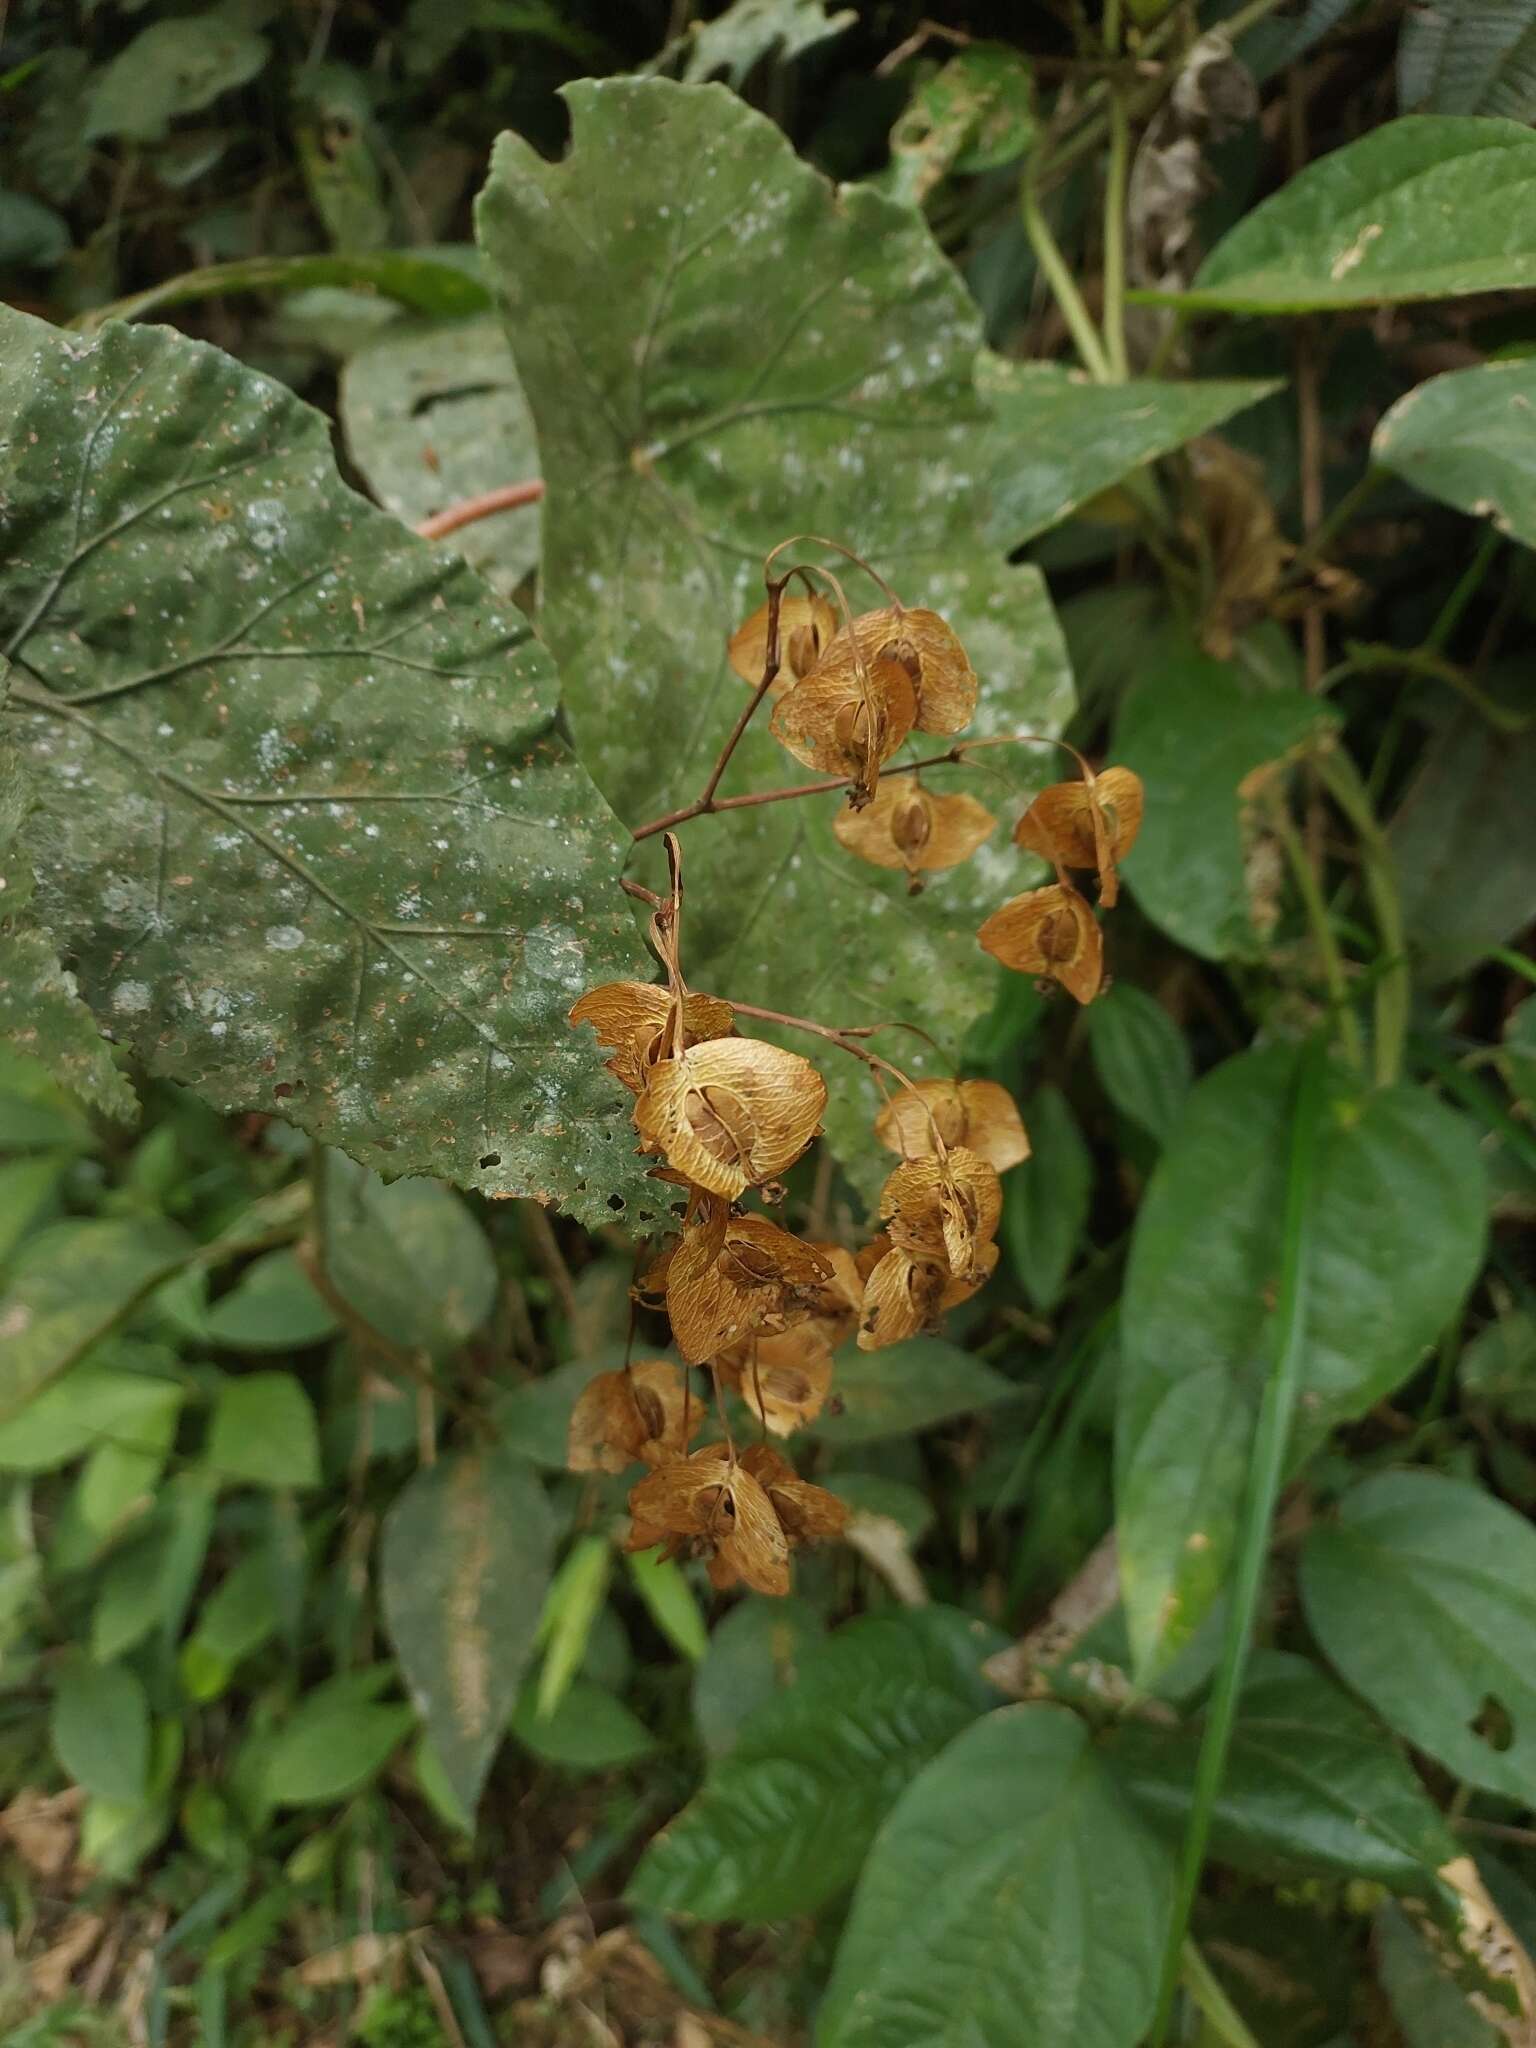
x=505, y=498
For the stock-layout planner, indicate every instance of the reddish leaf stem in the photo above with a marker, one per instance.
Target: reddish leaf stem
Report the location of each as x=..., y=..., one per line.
x=505, y=498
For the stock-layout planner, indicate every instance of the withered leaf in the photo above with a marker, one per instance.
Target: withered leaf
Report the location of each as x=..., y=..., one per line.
x=632, y=1017
x=1086, y=825
x=731, y=1113
x=806, y=624
x=1050, y=931
x=907, y=826
x=979, y=1115
x=646, y=1414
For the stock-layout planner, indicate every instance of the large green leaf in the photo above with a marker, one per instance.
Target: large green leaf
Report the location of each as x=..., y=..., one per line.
x=1423, y=1595
x=434, y=414
x=1398, y=1232
x=1194, y=729
x=1013, y=1896
x=408, y=1256
x=465, y=1568
x=308, y=832
x=1061, y=439
x=1467, y=438
x=1432, y=206
x=720, y=350
x=1469, y=57
x=783, y=1821
x=1312, y=1783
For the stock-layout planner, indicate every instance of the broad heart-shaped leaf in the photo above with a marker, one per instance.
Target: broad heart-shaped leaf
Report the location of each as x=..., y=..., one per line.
x=905, y=1388
x=41, y=1013
x=1469, y=57
x=465, y=1567
x=1062, y=439
x=435, y=413
x=721, y=351
x=1194, y=729
x=1013, y=1896
x=1469, y=438
x=1432, y=206
x=308, y=834
x=783, y=1821
x=1312, y=1784
x=1423, y=1596
x=1397, y=1222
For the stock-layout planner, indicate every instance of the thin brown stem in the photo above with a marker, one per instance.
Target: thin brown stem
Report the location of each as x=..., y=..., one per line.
x=817, y=540
x=844, y=1036
x=770, y=670
x=505, y=498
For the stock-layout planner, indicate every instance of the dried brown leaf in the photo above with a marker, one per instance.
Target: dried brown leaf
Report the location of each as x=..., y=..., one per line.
x=645, y=1413
x=783, y=1378
x=848, y=723
x=920, y=642
x=733, y=1276
x=807, y=1513
x=943, y=1211
x=1086, y=825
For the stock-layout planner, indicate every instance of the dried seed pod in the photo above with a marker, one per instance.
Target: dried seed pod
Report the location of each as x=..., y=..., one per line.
x=943, y=681
x=807, y=1513
x=784, y=1379
x=907, y=826
x=1086, y=825
x=849, y=724
x=708, y=1504
x=642, y=1414
x=902, y=1298
x=979, y=1115
x=731, y=1113
x=806, y=624
x=1049, y=931
x=943, y=1210
x=733, y=1276
x=835, y=1304
x=632, y=1017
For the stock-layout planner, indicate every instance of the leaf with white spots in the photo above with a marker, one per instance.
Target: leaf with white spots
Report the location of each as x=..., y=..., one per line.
x=721, y=350
x=307, y=834
x=464, y=1571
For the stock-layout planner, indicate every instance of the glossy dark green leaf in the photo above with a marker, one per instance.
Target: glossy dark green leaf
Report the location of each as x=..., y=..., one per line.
x=755, y=1651
x=263, y=1432
x=589, y=1730
x=435, y=414
x=1045, y=1200
x=369, y=920
x=1061, y=439
x=1423, y=1596
x=783, y=1821
x=1469, y=57
x=1466, y=438
x=338, y=1736
x=1313, y=1784
x=1141, y=1056
x=699, y=399
x=1194, y=729
x=69, y=1286
x=905, y=1388
x=465, y=1567
x=409, y=1256
x=1432, y=206
x=1013, y=1896
x=1398, y=1234
x=100, y=1728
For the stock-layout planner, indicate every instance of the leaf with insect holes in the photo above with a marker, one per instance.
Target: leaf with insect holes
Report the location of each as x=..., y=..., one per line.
x=307, y=832
x=700, y=396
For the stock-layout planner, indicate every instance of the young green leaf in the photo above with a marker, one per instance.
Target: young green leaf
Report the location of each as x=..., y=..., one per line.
x=1013, y=1885
x=1423, y=1596
x=100, y=1728
x=1045, y=1200
x=671, y=1602
x=589, y=1730
x=1142, y=1058
x=263, y=1432
x=338, y=1737
x=465, y=1569
x=381, y=879
x=783, y=1821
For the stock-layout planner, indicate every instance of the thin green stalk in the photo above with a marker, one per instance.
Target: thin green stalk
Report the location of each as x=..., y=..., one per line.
x=1221, y=2015
x=1467, y=586
x=1321, y=926
x=1317, y=545
x=1266, y=1468
x=1116, y=180
x=1364, y=658
x=1343, y=782
x=1517, y=963
x=1053, y=267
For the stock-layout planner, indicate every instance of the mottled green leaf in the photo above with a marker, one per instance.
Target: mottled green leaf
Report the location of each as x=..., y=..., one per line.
x=1423, y=1596
x=169, y=69
x=1045, y=1198
x=1141, y=1056
x=1427, y=2003
x=698, y=399
x=783, y=1821
x=435, y=414
x=1469, y=438
x=307, y=830
x=905, y=1388
x=974, y=114
x=1061, y=439
x=750, y=30
x=1194, y=729
x=1469, y=57
x=1013, y=1896
x=464, y=1571
x=1398, y=1229
x=1432, y=206
x=1313, y=1784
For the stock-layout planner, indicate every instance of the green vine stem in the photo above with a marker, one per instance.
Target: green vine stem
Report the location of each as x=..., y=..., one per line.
x=1117, y=171
x=1321, y=926
x=1265, y=1470
x=1053, y=267
x=1343, y=782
